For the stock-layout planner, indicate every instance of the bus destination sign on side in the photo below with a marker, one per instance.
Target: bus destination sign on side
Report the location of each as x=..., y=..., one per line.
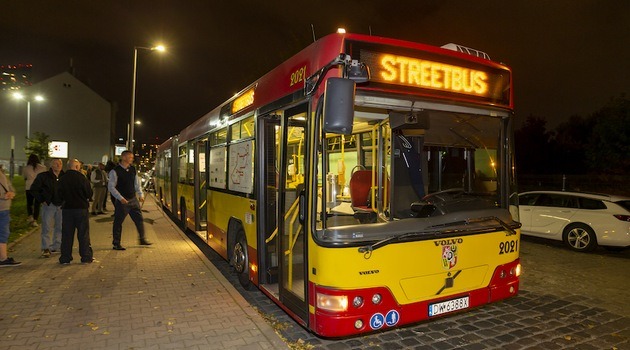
x=446, y=77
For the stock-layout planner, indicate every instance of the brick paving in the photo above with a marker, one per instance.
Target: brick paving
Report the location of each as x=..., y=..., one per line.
x=164, y=296
x=175, y=295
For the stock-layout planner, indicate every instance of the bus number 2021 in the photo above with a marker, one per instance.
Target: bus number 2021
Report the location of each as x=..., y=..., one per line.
x=508, y=247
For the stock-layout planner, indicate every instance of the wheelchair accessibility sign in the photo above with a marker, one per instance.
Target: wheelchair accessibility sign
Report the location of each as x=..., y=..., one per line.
x=377, y=320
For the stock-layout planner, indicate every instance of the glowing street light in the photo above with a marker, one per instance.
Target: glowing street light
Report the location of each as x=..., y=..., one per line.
x=20, y=96
x=159, y=48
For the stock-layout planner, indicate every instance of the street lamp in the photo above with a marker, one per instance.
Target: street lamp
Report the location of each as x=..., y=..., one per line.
x=38, y=98
x=159, y=48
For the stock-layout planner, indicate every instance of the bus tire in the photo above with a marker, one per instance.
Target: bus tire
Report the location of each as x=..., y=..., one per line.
x=240, y=260
x=182, y=214
x=579, y=237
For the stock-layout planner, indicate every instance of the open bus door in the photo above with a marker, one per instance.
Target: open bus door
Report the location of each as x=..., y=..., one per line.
x=284, y=244
x=201, y=212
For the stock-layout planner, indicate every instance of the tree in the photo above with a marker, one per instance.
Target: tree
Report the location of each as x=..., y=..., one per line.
x=609, y=145
x=38, y=145
x=533, y=147
x=571, y=139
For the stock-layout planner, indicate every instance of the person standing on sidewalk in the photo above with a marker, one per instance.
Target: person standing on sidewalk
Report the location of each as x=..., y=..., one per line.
x=99, y=183
x=30, y=171
x=124, y=185
x=75, y=191
x=7, y=193
x=46, y=191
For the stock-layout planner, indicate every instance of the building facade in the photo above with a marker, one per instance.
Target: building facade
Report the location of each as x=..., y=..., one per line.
x=70, y=112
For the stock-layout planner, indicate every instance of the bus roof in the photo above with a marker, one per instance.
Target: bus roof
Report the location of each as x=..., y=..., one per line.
x=287, y=80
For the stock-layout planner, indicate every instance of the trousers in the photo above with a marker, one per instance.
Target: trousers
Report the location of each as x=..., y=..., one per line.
x=51, y=220
x=132, y=208
x=75, y=220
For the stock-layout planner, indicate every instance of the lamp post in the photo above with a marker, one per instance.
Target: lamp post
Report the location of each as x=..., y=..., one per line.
x=38, y=98
x=160, y=48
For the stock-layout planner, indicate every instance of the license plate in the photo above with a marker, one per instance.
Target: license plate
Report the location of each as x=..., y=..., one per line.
x=448, y=306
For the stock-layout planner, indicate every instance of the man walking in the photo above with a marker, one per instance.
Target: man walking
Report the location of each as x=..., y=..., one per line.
x=45, y=189
x=124, y=185
x=75, y=191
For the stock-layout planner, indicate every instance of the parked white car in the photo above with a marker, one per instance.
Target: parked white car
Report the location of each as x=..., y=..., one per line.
x=581, y=220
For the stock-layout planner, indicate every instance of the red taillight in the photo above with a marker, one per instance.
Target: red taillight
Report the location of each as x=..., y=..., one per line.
x=622, y=217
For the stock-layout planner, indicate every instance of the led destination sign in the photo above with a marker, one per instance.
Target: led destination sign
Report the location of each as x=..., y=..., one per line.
x=449, y=76
x=434, y=75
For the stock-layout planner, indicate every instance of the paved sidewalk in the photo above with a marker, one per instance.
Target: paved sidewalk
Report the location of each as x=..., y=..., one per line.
x=164, y=296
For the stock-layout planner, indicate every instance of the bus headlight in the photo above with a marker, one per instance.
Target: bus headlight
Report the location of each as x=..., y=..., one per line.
x=336, y=303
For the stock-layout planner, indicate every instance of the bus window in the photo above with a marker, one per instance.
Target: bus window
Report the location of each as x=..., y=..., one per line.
x=183, y=164
x=190, y=168
x=415, y=158
x=218, y=137
x=242, y=129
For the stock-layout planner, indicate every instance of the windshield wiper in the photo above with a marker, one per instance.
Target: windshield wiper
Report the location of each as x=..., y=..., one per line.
x=398, y=238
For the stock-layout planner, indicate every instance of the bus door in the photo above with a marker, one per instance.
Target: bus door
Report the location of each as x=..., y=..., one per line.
x=201, y=212
x=283, y=177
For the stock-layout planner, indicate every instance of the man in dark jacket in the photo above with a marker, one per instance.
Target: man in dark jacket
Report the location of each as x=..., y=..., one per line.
x=45, y=191
x=75, y=191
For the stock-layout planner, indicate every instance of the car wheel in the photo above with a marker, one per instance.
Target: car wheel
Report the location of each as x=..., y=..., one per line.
x=240, y=260
x=580, y=237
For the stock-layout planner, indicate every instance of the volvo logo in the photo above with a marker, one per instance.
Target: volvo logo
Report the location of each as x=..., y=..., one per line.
x=369, y=272
x=448, y=241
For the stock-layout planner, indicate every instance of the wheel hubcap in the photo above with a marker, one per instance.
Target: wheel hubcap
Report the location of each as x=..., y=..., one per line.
x=578, y=238
x=239, y=258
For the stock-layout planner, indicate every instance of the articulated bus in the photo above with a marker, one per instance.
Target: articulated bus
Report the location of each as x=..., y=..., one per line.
x=364, y=184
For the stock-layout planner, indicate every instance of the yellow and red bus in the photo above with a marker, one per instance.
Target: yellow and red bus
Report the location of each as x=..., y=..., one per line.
x=366, y=183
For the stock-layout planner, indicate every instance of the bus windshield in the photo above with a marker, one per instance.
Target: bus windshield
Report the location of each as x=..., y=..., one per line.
x=426, y=166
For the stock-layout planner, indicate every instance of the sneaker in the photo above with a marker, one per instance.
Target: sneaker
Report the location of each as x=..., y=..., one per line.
x=145, y=242
x=119, y=247
x=46, y=253
x=34, y=224
x=88, y=261
x=30, y=219
x=9, y=262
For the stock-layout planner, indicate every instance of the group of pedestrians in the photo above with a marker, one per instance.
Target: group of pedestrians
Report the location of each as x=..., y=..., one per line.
x=65, y=197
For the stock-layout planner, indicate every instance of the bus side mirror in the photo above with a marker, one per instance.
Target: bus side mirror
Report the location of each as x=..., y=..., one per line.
x=339, y=106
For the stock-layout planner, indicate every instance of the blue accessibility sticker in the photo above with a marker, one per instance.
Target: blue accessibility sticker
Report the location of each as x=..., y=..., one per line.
x=392, y=318
x=376, y=321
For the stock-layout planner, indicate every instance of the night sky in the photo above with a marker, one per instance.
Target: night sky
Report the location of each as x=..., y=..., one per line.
x=568, y=56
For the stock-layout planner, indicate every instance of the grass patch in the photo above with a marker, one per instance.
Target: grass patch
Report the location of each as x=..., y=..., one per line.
x=19, y=226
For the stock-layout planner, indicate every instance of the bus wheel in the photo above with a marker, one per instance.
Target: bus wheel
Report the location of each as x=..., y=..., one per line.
x=240, y=260
x=182, y=215
x=580, y=237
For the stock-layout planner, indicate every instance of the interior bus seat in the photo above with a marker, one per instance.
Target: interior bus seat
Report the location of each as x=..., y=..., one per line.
x=360, y=185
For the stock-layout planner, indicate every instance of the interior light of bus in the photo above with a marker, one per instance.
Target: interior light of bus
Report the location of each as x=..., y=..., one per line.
x=341, y=30
x=337, y=303
x=357, y=302
x=254, y=268
x=376, y=299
